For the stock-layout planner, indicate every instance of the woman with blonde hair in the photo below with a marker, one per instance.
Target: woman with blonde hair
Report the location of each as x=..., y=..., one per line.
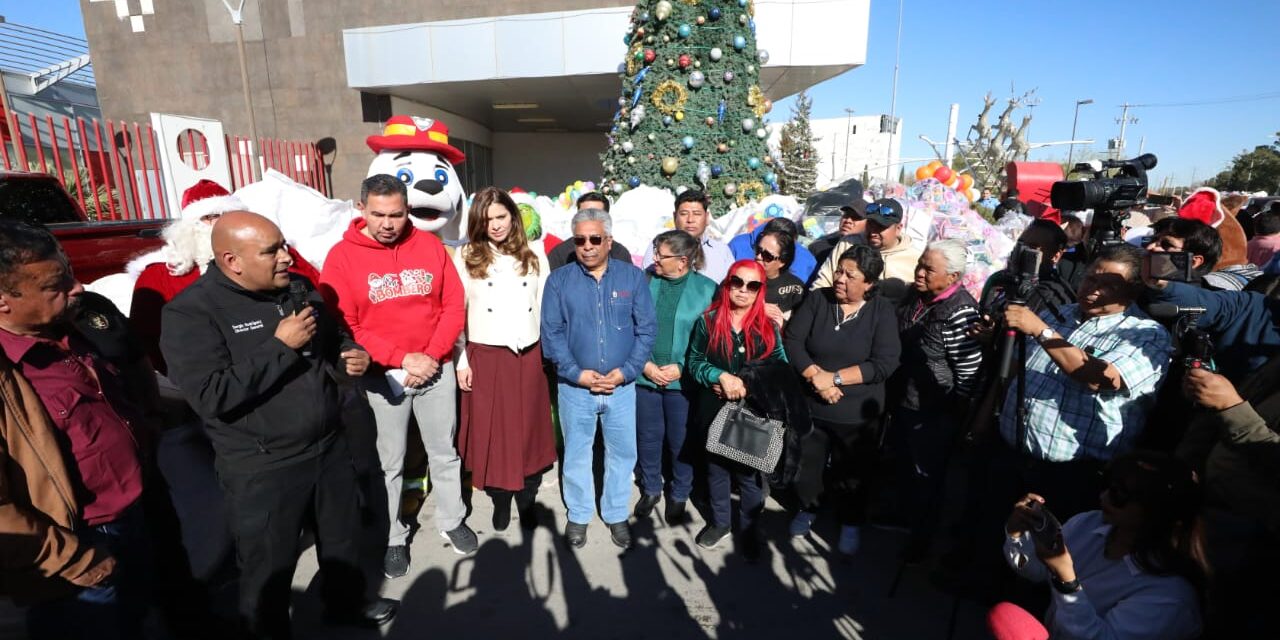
x=505, y=437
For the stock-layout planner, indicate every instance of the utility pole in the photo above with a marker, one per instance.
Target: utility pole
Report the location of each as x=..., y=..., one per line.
x=1123, y=121
x=848, y=131
x=893, y=104
x=237, y=18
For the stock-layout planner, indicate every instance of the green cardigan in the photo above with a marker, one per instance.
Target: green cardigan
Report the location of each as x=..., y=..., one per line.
x=693, y=301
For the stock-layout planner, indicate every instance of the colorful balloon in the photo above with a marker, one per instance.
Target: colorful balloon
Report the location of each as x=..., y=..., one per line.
x=942, y=173
x=933, y=166
x=923, y=172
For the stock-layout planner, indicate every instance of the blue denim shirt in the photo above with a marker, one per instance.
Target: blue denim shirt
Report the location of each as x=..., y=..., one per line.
x=598, y=325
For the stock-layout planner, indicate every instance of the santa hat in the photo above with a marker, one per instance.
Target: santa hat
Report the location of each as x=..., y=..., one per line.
x=1204, y=204
x=208, y=198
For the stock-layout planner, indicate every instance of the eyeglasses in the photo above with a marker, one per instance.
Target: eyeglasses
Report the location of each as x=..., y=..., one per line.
x=752, y=286
x=659, y=257
x=765, y=255
x=582, y=240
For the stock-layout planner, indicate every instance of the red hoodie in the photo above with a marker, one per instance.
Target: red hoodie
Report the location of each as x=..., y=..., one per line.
x=399, y=299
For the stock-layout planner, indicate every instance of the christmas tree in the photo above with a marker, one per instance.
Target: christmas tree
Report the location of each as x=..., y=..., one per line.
x=799, y=159
x=691, y=113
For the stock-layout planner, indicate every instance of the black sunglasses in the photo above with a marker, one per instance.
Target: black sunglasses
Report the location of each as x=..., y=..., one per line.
x=738, y=283
x=582, y=240
x=768, y=257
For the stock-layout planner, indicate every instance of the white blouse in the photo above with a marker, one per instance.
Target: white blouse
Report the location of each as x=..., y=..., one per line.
x=504, y=308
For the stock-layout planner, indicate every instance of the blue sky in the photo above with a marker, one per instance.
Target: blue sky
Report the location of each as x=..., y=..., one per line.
x=1139, y=51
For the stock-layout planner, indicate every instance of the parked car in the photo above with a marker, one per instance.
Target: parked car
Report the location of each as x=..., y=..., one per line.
x=96, y=248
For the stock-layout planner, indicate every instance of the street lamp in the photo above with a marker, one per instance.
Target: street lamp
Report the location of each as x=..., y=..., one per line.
x=237, y=18
x=1071, y=154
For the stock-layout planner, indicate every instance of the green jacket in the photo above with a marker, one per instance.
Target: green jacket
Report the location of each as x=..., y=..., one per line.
x=694, y=299
x=706, y=367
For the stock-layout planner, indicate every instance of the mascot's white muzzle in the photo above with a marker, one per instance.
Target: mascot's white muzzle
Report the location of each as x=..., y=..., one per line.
x=430, y=200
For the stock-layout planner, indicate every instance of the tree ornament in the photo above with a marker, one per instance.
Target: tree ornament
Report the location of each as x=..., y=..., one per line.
x=771, y=177
x=742, y=3
x=633, y=181
x=685, y=60
x=697, y=64
x=631, y=159
x=722, y=148
x=742, y=19
x=649, y=56
x=649, y=40
x=753, y=162
x=627, y=146
x=651, y=137
x=670, y=97
x=617, y=147
x=679, y=116
x=671, y=63
x=768, y=106
x=715, y=54
x=711, y=121
x=751, y=191
x=739, y=43
x=762, y=133
x=684, y=30
x=716, y=170
x=703, y=173
x=697, y=79
x=751, y=68
x=663, y=10
x=714, y=13
x=730, y=189
x=669, y=165
x=763, y=56
x=637, y=115
x=701, y=21
x=644, y=17
x=687, y=141
x=667, y=120
x=728, y=77
x=666, y=38
x=748, y=124
x=768, y=160
x=640, y=32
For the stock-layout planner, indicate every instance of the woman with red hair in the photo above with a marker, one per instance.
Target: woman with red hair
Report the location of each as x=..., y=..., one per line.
x=732, y=333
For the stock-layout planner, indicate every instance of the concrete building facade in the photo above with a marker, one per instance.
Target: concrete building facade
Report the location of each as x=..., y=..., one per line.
x=851, y=146
x=527, y=87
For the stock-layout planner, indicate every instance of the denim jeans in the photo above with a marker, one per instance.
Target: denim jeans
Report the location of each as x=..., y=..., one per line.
x=663, y=415
x=722, y=473
x=579, y=409
x=115, y=609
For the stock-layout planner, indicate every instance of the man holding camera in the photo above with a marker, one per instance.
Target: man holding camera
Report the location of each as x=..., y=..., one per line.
x=1091, y=378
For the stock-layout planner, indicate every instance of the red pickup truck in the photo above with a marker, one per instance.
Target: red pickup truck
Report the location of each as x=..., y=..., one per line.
x=96, y=249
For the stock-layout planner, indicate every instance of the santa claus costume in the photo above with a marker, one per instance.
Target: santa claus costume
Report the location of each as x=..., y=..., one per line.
x=187, y=253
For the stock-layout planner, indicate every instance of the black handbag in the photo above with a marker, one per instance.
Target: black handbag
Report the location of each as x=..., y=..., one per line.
x=740, y=435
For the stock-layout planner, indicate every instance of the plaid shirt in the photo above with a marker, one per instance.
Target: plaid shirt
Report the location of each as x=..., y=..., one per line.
x=1067, y=421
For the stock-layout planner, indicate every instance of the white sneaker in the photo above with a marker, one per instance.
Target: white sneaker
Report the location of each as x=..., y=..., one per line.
x=850, y=539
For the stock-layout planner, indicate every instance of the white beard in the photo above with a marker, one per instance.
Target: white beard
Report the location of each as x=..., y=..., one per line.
x=188, y=245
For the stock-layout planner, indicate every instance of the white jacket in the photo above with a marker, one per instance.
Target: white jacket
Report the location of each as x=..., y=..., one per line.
x=504, y=308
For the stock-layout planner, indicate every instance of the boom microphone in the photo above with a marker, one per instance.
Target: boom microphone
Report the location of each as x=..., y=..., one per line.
x=1169, y=311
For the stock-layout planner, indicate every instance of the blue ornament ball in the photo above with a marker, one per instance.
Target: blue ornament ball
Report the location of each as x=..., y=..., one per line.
x=714, y=13
x=753, y=162
x=771, y=177
x=742, y=3
x=626, y=39
x=684, y=30
x=716, y=170
x=634, y=181
x=739, y=43
x=667, y=120
x=687, y=141
x=644, y=17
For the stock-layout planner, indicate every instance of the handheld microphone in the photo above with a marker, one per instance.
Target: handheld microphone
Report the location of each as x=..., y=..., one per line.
x=298, y=296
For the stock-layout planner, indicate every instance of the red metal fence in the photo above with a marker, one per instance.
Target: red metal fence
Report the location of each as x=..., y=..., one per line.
x=114, y=172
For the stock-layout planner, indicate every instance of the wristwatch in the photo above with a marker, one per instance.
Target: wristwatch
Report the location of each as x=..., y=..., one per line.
x=837, y=380
x=1065, y=588
x=1047, y=333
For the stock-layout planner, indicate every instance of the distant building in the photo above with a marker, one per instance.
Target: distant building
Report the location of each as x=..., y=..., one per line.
x=527, y=87
x=45, y=74
x=849, y=146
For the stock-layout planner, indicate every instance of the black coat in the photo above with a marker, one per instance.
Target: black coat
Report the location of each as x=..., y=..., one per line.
x=774, y=389
x=265, y=405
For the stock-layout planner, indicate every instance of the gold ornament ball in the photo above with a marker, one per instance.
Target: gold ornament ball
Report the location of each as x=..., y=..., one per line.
x=768, y=105
x=711, y=121
x=679, y=116
x=722, y=148
x=669, y=165
x=701, y=20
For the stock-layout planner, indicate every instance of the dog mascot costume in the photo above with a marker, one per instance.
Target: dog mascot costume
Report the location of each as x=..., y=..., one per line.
x=417, y=152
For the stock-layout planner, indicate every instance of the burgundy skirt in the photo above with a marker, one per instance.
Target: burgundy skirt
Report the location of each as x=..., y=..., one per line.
x=506, y=432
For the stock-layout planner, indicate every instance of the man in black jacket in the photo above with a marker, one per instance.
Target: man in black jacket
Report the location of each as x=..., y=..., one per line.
x=259, y=367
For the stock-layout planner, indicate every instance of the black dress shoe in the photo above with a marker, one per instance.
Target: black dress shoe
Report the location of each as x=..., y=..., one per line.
x=675, y=512
x=621, y=534
x=370, y=616
x=645, y=506
x=576, y=535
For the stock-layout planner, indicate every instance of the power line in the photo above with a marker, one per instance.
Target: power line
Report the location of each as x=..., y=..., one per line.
x=1250, y=98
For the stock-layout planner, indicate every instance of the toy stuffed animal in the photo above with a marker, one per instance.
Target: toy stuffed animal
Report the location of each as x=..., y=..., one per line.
x=417, y=152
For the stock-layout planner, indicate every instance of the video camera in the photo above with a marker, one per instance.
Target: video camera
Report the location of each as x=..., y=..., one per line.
x=1109, y=195
x=1194, y=344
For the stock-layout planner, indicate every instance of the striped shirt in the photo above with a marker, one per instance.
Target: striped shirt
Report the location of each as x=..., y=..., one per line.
x=1064, y=419
x=940, y=361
